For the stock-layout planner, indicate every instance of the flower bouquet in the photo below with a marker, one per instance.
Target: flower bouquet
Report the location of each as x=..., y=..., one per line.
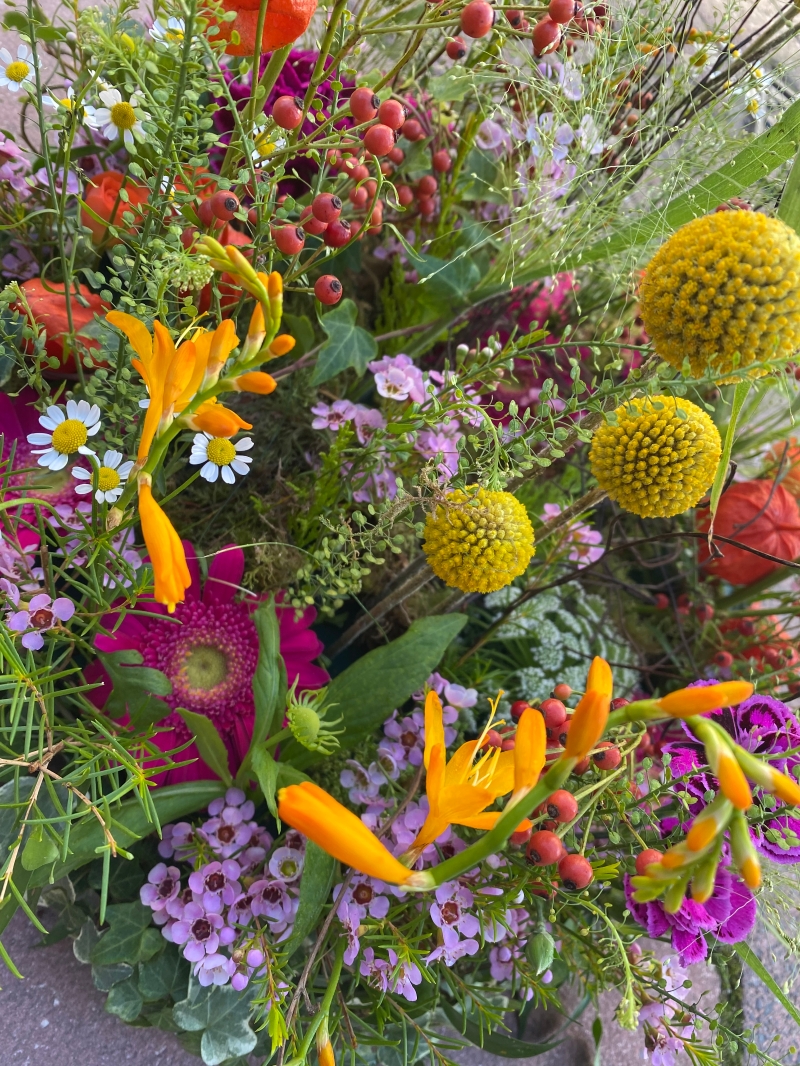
x=398, y=519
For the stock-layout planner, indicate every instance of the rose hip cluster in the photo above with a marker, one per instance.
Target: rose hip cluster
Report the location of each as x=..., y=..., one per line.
x=239, y=895
x=565, y=20
x=544, y=847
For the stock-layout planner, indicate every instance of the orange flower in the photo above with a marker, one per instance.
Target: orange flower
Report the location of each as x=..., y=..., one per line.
x=530, y=744
x=768, y=777
x=589, y=718
x=167, y=557
x=256, y=381
x=312, y=812
x=286, y=21
x=219, y=421
x=48, y=303
x=102, y=198
x=687, y=702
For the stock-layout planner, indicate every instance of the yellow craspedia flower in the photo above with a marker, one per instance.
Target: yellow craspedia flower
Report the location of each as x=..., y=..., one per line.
x=724, y=292
x=658, y=458
x=479, y=541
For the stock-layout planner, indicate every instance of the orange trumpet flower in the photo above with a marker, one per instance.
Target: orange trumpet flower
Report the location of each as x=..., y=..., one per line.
x=167, y=557
x=589, y=718
x=311, y=811
x=687, y=702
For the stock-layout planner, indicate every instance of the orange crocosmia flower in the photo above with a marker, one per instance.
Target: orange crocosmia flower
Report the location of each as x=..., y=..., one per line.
x=317, y=815
x=167, y=556
x=686, y=702
x=589, y=718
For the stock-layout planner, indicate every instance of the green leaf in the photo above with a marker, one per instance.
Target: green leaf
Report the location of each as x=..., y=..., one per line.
x=368, y=691
x=759, y=969
x=495, y=1043
x=739, y=396
x=319, y=870
x=40, y=849
x=266, y=770
x=449, y=279
x=224, y=1017
x=124, y=1000
x=130, y=823
x=348, y=345
x=789, y=207
x=455, y=84
x=84, y=943
x=129, y=937
x=209, y=743
x=269, y=679
x=105, y=977
x=165, y=975
x=135, y=688
x=299, y=327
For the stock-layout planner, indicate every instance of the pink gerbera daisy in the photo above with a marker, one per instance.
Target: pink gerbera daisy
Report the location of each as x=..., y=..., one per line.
x=209, y=649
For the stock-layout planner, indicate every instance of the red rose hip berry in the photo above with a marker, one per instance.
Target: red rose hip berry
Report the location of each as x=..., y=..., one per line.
x=544, y=848
x=441, y=161
x=412, y=130
x=392, y=114
x=477, y=18
x=608, y=757
x=554, y=711
x=456, y=48
x=546, y=36
x=287, y=111
x=426, y=186
x=405, y=195
x=518, y=708
x=379, y=139
x=562, y=10
x=328, y=289
x=397, y=155
x=326, y=207
x=562, y=692
x=364, y=104
x=225, y=204
x=645, y=858
x=311, y=224
x=515, y=18
x=562, y=806
x=575, y=872
x=289, y=239
x=337, y=234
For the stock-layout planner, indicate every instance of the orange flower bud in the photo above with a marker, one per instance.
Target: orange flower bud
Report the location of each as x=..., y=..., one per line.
x=600, y=677
x=587, y=724
x=217, y=420
x=255, y=381
x=731, y=779
x=282, y=345
x=687, y=702
x=274, y=285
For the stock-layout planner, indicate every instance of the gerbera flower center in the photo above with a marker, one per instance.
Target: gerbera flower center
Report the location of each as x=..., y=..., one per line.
x=69, y=435
x=220, y=451
x=107, y=479
x=123, y=116
x=206, y=667
x=17, y=71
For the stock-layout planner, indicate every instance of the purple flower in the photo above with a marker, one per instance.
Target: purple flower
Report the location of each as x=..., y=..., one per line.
x=380, y=484
x=582, y=541
x=376, y=971
x=449, y=911
x=215, y=970
x=405, y=975
x=367, y=420
x=227, y=831
x=397, y=378
x=452, y=949
x=492, y=137
x=271, y=900
x=41, y=613
x=163, y=885
x=363, y=786
x=362, y=898
x=286, y=864
x=198, y=930
x=332, y=416
x=73, y=185
x=177, y=840
x=348, y=915
x=444, y=441
x=20, y=262
x=215, y=885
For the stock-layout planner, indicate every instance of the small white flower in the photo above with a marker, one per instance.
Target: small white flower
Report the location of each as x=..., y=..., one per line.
x=266, y=142
x=68, y=433
x=66, y=98
x=119, y=118
x=170, y=32
x=108, y=480
x=14, y=72
x=220, y=455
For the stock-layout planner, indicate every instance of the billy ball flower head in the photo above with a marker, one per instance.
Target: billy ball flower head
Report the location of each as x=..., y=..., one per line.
x=658, y=457
x=220, y=456
x=15, y=72
x=724, y=292
x=479, y=541
x=67, y=434
x=107, y=481
x=118, y=118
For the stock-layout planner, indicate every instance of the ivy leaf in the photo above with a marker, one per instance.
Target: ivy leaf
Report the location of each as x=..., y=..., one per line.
x=223, y=1015
x=124, y=1000
x=368, y=691
x=135, y=688
x=299, y=326
x=165, y=975
x=348, y=345
x=130, y=937
x=319, y=870
x=209, y=743
x=105, y=977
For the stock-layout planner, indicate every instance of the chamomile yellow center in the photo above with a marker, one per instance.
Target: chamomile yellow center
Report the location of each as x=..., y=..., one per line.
x=18, y=70
x=123, y=116
x=69, y=435
x=107, y=479
x=220, y=451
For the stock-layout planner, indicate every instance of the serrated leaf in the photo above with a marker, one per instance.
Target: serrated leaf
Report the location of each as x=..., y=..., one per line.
x=124, y=1000
x=129, y=937
x=223, y=1015
x=368, y=691
x=105, y=977
x=319, y=871
x=165, y=975
x=348, y=346
x=495, y=1043
x=135, y=688
x=209, y=743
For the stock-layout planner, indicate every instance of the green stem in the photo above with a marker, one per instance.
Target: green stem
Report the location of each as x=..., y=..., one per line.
x=276, y=738
x=324, y=1008
x=729, y=966
x=749, y=593
x=739, y=396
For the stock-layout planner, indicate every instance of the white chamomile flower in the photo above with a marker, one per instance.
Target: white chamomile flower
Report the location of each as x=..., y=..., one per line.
x=170, y=32
x=107, y=481
x=119, y=118
x=13, y=72
x=68, y=433
x=266, y=142
x=220, y=455
x=66, y=98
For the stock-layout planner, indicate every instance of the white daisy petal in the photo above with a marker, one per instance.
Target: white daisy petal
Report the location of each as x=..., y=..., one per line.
x=85, y=451
x=227, y=474
x=59, y=462
x=81, y=473
x=5, y=56
x=83, y=489
x=91, y=430
x=195, y=459
x=244, y=445
x=39, y=438
x=126, y=468
x=47, y=457
x=112, y=459
x=56, y=414
x=210, y=472
x=74, y=410
x=239, y=467
x=48, y=423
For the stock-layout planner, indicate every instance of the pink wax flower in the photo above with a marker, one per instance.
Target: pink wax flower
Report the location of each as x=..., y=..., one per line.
x=209, y=650
x=584, y=544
